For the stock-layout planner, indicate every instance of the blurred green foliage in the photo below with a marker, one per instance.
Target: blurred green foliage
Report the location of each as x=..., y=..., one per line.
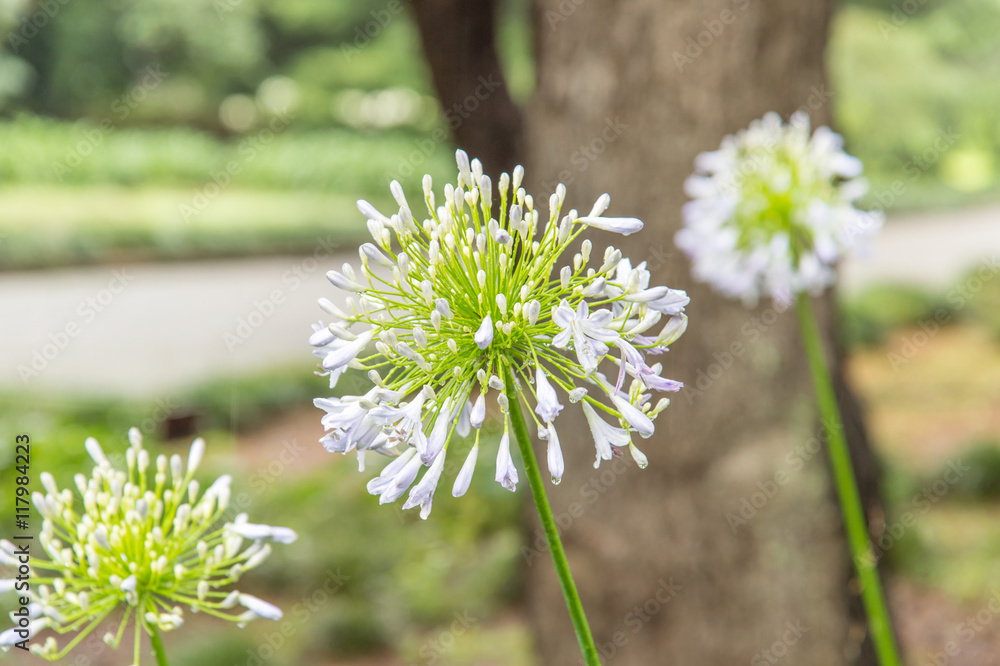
x=335, y=97
x=913, y=90
x=867, y=317
x=941, y=527
x=982, y=481
x=915, y=95
x=299, y=56
x=337, y=161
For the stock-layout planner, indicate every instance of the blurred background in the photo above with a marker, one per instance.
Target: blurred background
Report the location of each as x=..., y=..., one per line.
x=176, y=177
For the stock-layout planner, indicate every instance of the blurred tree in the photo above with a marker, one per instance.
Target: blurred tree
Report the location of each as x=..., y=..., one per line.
x=465, y=67
x=729, y=547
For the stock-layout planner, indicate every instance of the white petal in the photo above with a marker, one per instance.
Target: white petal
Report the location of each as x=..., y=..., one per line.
x=370, y=212
x=672, y=330
x=342, y=282
x=638, y=455
x=484, y=336
x=260, y=607
x=464, y=477
x=634, y=416
x=600, y=205
x=620, y=225
x=506, y=474
x=548, y=406
x=254, y=531
x=196, y=453
x=478, y=414
x=95, y=451
x=372, y=253
x=555, y=456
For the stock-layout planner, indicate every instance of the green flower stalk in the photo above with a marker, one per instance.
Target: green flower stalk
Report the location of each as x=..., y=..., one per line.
x=772, y=212
x=146, y=542
x=472, y=300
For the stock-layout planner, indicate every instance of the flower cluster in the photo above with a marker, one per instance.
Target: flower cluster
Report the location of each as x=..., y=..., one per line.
x=772, y=210
x=469, y=300
x=146, y=540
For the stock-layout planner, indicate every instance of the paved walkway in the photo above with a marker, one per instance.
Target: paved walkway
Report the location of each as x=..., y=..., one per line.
x=152, y=328
x=933, y=250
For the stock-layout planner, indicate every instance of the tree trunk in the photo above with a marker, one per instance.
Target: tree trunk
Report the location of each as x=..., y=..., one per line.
x=728, y=548
x=459, y=40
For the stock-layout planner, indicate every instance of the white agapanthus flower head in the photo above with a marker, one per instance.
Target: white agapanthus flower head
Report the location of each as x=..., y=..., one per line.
x=773, y=209
x=460, y=302
x=147, y=542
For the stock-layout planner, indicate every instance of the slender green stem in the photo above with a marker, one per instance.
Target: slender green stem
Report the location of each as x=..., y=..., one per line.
x=154, y=638
x=537, y=485
x=872, y=595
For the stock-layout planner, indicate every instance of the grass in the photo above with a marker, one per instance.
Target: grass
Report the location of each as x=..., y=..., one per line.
x=43, y=151
x=44, y=225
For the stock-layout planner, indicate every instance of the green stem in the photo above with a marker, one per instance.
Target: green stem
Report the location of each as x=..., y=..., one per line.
x=872, y=596
x=537, y=485
x=154, y=638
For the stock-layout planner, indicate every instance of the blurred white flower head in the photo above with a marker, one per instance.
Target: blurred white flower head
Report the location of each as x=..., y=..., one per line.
x=142, y=544
x=458, y=302
x=773, y=209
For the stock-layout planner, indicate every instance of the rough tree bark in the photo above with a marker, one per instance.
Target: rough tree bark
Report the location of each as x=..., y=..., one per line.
x=459, y=39
x=629, y=92
x=729, y=547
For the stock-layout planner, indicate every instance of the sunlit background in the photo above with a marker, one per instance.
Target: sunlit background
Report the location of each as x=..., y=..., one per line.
x=176, y=177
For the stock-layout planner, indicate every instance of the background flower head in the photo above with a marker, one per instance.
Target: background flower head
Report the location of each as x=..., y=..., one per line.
x=146, y=541
x=471, y=296
x=773, y=209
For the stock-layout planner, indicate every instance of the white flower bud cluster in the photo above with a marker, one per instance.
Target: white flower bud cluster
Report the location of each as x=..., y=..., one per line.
x=146, y=539
x=773, y=209
x=470, y=298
